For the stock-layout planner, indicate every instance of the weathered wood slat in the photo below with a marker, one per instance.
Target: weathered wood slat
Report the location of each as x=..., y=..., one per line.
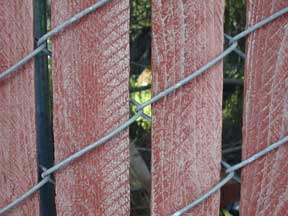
x=264, y=188
x=186, y=132
x=90, y=97
x=18, y=148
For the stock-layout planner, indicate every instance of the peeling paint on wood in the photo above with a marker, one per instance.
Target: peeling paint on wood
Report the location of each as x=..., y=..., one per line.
x=186, y=132
x=18, y=148
x=90, y=98
x=264, y=188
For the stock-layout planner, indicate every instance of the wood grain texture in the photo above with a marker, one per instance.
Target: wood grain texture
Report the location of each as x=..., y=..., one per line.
x=264, y=183
x=18, y=149
x=186, y=132
x=90, y=98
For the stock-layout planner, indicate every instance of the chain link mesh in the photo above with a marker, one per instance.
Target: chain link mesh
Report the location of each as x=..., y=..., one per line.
x=230, y=170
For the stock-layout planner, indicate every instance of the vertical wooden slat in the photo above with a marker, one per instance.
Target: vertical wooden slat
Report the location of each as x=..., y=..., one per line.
x=18, y=149
x=186, y=132
x=90, y=97
x=264, y=188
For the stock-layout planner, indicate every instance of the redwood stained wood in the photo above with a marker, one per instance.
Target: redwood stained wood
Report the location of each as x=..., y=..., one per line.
x=90, y=97
x=186, y=131
x=18, y=148
x=264, y=188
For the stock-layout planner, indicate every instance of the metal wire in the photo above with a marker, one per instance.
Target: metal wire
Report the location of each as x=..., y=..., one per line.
x=226, y=166
x=205, y=196
x=22, y=62
x=139, y=113
x=72, y=20
x=42, y=47
x=258, y=155
x=237, y=50
x=259, y=24
x=90, y=147
x=189, y=78
x=145, y=116
x=230, y=170
x=50, y=179
x=25, y=195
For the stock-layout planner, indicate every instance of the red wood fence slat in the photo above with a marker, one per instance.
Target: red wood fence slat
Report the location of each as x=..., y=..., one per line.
x=90, y=97
x=186, y=131
x=18, y=150
x=264, y=188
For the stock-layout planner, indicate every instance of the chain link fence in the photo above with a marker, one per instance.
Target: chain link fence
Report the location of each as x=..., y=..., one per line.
x=230, y=170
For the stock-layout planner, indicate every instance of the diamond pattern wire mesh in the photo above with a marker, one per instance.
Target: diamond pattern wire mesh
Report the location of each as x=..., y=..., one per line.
x=230, y=170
